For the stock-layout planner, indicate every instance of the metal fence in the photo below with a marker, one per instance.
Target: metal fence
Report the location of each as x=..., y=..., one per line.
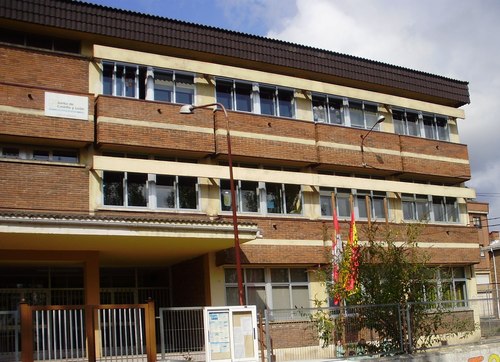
x=84, y=333
x=182, y=333
x=378, y=330
x=318, y=333
x=9, y=336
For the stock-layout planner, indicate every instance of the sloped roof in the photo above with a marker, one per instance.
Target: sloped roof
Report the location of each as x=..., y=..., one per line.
x=127, y=25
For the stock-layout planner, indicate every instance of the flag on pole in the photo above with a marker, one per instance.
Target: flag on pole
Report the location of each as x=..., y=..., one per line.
x=352, y=278
x=337, y=255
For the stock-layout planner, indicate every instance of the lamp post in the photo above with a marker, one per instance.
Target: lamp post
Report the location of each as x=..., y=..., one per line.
x=380, y=119
x=189, y=109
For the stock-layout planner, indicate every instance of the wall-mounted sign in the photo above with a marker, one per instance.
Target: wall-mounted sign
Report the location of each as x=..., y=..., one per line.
x=66, y=106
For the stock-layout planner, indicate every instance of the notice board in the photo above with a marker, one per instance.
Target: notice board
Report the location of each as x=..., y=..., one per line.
x=231, y=333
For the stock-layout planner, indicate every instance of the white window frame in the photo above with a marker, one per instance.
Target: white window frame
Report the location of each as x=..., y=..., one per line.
x=149, y=83
x=326, y=109
x=239, y=194
x=268, y=284
x=151, y=193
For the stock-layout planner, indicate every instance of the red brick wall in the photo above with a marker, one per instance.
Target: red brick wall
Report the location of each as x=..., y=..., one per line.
x=43, y=69
x=256, y=125
x=150, y=136
x=43, y=187
x=27, y=125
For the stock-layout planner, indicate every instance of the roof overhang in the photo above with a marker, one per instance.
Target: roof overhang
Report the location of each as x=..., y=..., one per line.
x=121, y=241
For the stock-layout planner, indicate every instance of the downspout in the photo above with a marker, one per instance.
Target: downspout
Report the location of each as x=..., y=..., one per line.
x=496, y=281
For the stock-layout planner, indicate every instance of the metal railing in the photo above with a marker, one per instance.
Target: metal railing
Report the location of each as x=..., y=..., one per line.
x=182, y=333
x=88, y=333
x=378, y=330
x=9, y=336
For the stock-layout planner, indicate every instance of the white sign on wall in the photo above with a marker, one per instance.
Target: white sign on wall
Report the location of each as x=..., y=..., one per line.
x=66, y=106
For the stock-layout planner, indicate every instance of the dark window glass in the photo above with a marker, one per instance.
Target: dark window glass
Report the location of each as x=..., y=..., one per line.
x=285, y=99
x=41, y=155
x=136, y=189
x=163, y=86
x=243, y=94
x=38, y=41
x=65, y=156
x=130, y=81
x=188, y=198
x=113, y=188
x=274, y=198
x=267, y=100
x=248, y=195
x=10, y=152
x=67, y=45
x=11, y=36
x=293, y=199
x=165, y=191
x=107, y=81
x=224, y=91
x=184, y=90
x=225, y=195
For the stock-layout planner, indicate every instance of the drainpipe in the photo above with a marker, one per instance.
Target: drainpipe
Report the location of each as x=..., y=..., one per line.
x=496, y=281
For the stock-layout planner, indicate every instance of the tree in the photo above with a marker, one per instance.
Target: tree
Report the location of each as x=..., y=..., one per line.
x=393, y=270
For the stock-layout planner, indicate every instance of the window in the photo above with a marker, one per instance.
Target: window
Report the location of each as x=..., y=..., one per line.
x=328, y=109
x=476, y=221
x=342, y=203
x=234, y=95
x=37, y=153
x=375, y=203
x=124, y=189
x=406, y=122
x=39, y=41
x=152, y=191
x=273, y=288
x=362, y=114
x=450, y=284
x=128, y=80
x=418, y=207
x=283, y=198
x=276, y=101
x=436, y=127
x=10, y=152
x=246, y=196
x=415, y=207
x=445, y=209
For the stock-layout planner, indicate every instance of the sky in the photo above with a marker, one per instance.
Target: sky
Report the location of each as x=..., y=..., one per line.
x=459, y=39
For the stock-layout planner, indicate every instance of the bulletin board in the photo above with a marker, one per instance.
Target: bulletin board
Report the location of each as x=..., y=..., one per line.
x=231, y=333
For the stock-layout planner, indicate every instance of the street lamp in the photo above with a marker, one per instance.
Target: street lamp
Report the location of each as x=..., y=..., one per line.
x=380, y=119
x=189, y=109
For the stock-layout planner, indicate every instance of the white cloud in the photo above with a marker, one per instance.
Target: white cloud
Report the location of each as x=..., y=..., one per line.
x=456, y=39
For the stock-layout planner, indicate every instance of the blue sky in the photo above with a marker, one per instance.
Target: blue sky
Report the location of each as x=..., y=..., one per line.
x=459, y=39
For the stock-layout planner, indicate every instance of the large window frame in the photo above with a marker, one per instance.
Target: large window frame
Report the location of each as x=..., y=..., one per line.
x=328, y=109
x=438, y=209
x=235, y=95
x=141, y=190
x=140, y=82
x=376, y=200
x=449, y=284
x=419, y=124
x=37, y=153
x=269, y=288
x=276, y=101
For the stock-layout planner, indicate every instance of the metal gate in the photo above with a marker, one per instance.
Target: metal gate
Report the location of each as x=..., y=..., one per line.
x=9, y=336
